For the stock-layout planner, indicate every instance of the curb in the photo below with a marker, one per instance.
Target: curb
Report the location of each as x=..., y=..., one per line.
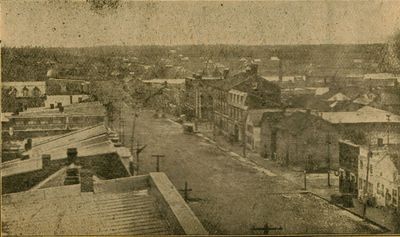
x=386, y=230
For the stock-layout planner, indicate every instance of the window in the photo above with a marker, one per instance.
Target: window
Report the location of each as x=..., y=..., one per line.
x=370, y=187
x=394, y=195
x=44, y=122
x=378, y=188
x=383, y=190
x=31, y=122
x=361, y=164
x=370, y=169
x=360, y=183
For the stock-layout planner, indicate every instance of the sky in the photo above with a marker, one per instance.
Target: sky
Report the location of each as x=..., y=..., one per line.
x=72, y=23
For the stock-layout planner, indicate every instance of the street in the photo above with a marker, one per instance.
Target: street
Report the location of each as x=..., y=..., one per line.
x=230, y=195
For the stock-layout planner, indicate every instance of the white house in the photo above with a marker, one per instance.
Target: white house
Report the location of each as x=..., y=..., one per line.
x=383, y=177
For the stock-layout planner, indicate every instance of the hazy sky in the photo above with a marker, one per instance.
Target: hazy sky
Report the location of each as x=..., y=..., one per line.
x=73, y=23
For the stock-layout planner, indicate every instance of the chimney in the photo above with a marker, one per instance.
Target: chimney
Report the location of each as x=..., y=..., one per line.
x=25, y=107
x=380, y=142
x=280, y=71
x=59, y=104
x=253, y=69
x=72, y=155
x=45, y=160
x=86, y=180
x=226, y=72
x=28, y=144
x=61, y=109
x=51, y=106
x=72, y=175
x=70, y=99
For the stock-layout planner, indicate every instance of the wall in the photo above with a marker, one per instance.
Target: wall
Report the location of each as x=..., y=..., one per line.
x=119, y=185
x=172, y=205
x=348, y=163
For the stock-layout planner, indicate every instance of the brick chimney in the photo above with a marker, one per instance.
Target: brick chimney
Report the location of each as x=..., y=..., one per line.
x=226, y=73
x=45, y=160
x=380, y=142
x=61, y=109
x=280, y=71
x=253, y=69
x=59, y=104
x=70, y=99
x=28, y=144
x=51, y=106
x=72, y=175
x=72, y=155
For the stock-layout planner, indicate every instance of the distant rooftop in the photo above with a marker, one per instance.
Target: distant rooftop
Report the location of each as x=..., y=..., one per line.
x=364, y=115
x=94, y=108
x=161, y=81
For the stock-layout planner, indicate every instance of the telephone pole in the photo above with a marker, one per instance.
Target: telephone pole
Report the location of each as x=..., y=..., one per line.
x=158, y=161
x=388, y=128
x=366, y=182
x=328, y=143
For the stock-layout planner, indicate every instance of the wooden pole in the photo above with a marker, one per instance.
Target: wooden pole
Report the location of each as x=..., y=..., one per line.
x=366, y=182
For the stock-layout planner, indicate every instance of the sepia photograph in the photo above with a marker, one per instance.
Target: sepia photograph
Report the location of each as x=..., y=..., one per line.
x=193, y=117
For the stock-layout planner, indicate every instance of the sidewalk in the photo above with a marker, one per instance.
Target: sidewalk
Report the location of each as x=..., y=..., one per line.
x=316, y=183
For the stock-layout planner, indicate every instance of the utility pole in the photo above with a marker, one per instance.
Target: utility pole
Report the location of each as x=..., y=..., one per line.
x=138, y=150
x=158, y=161
x=388, y=128
x=186, y=192
x=328, y=143
x=245, y=114
x=266, y=228
x=366, y=182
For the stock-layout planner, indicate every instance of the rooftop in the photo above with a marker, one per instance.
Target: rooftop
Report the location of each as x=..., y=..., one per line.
x=89, y=141
x=139, y=205
x=161, y=81
x=94, y=108
x=364, y=115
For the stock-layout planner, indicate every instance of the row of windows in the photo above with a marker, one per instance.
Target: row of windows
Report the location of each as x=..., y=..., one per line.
x=236, y=98
x=59, y=120
x=380, y=190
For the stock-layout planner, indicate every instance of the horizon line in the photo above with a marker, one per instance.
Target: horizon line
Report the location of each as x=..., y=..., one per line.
x=180, y=45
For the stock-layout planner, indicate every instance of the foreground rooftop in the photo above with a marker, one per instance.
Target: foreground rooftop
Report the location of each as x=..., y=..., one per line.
x=147, y=204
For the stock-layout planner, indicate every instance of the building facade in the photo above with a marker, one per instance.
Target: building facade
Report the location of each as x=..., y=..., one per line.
x=383, y=175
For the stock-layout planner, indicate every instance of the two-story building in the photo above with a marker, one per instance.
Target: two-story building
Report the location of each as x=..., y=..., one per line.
x=236, y=97
x=383, y=174
x=58, y=120
x=22, y=94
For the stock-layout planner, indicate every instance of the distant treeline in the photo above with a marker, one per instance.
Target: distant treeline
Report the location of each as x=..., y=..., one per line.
x=32, y=63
